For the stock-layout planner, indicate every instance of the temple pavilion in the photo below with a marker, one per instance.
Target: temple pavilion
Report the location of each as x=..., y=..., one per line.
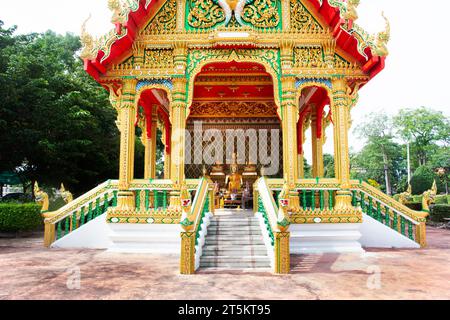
x=230, y=89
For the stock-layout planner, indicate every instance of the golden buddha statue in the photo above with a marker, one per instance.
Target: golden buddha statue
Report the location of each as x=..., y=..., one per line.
x=234, y=181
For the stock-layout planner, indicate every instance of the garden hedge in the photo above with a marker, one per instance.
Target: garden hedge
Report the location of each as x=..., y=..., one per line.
x=441, y=199
x=415, y=206
x=20, y=217
x=439, y=212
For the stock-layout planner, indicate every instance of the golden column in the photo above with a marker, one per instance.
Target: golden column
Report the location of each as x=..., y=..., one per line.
x=289, y=115
x=340, y=108
x=150, y=144
x=167, y=157
x=152, y=168
x=178, y=115
x=302, y=135
x=317, y=143
x=181, y=9
x=126, y=121
x=167, y=164
x=286, y=11
x=301, y=165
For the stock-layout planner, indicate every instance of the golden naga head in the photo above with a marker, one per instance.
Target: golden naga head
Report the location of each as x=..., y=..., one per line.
x=351, y=13
x=116, y=7
x=66, y=194
x=36, y=188
x=429, y=197
x=405, y=197
x=88, y=43
x=382, y=39
x=41, y=197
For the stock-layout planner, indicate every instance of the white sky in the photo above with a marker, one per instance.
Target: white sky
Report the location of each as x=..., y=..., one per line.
x=417, y=68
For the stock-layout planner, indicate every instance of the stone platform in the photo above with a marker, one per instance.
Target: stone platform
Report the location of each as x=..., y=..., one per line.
x=32, y=272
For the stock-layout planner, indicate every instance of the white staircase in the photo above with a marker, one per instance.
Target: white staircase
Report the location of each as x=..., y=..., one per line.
x=234, y=241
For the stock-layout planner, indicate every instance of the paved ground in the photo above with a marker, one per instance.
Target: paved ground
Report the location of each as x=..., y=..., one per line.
x=30, y=272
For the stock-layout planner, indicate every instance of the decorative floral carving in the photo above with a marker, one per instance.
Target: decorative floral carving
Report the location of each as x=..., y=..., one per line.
x=233, y=109
x=158, y=58
x=301, y=18
x=165, y=20
x=205, y=14
x=262, y=14
x=309, y=57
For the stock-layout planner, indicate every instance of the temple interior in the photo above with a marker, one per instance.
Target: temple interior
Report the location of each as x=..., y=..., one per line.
x=233, y=113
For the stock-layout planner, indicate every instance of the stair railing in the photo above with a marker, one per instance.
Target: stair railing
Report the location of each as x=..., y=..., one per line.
x=387, y=210
x=275, y=230
x=317, y=196
x=82, y=210
x=193, y=224
x=150, y=196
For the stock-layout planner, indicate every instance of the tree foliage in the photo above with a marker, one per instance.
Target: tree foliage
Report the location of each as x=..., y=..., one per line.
x=423, y=128
x=381, y=158
x=56, y=123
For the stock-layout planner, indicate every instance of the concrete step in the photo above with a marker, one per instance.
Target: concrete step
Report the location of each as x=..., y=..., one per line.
x=235, y=259
x=234, y=223
x=232, y=238
x=234, y=242
x=235, y=227
x=233, y=247
x=234, y=266
x=232, y=232
x=234, y=252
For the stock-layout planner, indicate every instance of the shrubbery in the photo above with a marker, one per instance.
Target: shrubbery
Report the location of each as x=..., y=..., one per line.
x=442, y=199
x=439, y=212
x=414, y=206
x=20, y=217
x=422, y=180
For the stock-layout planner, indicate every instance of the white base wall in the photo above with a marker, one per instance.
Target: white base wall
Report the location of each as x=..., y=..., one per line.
x=305, y=239
x=145, y=238
x=126, y=238
x=377, y=235
x=93, y=235
x=325, y=238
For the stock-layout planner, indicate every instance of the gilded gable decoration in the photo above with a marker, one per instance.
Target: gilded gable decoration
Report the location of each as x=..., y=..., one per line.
x=204, y=14
x=302, y=19
x=165, y=20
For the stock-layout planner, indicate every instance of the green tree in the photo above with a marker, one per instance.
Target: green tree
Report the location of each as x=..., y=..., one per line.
x=56, y=122
x=381, y=157
x=328, y=165
x=440, y=162
x=423, y=128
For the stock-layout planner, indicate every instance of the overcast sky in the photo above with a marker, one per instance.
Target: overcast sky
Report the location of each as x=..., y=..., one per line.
x=417, y=68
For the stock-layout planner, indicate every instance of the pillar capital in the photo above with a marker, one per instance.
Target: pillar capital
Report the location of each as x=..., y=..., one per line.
x=129, y=85
x=287, y=55
x=180, y=56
